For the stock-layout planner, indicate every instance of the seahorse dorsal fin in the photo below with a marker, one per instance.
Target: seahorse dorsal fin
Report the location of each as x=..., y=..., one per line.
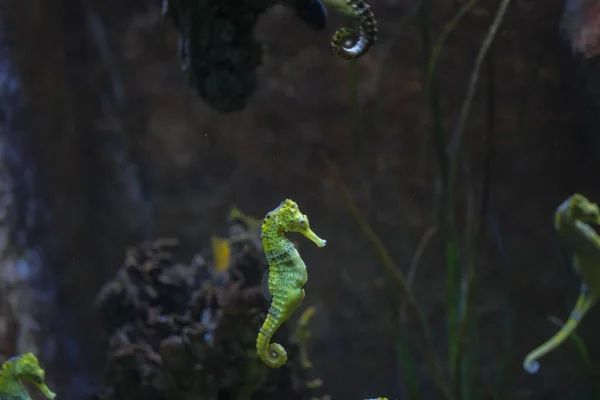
x=264, y=285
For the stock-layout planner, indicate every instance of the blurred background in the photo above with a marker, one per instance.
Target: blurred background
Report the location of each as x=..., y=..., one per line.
x=106, y=143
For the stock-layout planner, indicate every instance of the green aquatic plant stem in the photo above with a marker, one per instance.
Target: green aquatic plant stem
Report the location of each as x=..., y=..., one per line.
x=433, y=361
x=354, y=120
x=459, y=129
x=448, y=225
x=459, y=303
x=453, y=150
x=436, y=51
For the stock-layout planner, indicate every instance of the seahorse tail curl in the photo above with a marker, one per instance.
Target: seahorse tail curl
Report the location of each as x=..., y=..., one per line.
x=367, y=34
x=272, y=354
x=584, y=302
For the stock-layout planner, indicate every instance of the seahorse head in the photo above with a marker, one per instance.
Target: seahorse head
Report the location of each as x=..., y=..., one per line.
x=581, y=209
x=26, y=367
x=292, y=220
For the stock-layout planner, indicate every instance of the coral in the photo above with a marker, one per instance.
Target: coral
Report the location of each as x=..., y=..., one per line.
x=218, y=50
x=180, y=331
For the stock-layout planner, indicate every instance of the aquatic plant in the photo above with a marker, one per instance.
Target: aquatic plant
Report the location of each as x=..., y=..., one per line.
x=220, y=54
x=460, y=258
x=217, y=47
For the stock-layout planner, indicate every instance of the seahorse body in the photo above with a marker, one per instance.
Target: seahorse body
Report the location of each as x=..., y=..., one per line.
x=22, y=367
x=572, y=223
x=287, y=275
x=367, y=34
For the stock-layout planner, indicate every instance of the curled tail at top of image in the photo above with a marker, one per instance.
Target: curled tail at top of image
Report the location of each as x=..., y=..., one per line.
x=348, y=43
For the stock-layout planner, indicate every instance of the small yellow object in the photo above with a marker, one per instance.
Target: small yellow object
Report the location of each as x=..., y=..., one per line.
x=24, y=367
x=221, y=249
x=287, y=275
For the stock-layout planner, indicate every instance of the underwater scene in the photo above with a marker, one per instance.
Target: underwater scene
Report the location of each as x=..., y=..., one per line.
x=300, y=200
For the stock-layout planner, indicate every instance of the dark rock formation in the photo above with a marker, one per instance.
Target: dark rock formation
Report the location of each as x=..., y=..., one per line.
x=218, y=49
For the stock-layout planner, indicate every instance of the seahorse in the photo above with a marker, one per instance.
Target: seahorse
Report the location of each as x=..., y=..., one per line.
x=572, y=223
x=22, y=367
x=287, y=275
x=312, y=12
x=367, y=29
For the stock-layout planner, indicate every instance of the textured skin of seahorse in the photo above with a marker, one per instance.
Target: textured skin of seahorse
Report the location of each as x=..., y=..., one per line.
x=23, y=367
x=367, y=31
x=572, y=222
x=287, y=275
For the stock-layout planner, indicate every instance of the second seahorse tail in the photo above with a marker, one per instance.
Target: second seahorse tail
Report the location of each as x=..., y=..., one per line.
x=584, y=302
x=366, y=37
x=272, y=354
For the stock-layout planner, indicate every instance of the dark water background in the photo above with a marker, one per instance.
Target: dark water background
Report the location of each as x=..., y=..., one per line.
x=104, y=145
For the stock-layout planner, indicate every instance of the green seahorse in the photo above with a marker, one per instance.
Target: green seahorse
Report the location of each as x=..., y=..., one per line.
x=22, y=367
x=287, y=275
x=366, y=36
x=572, y=223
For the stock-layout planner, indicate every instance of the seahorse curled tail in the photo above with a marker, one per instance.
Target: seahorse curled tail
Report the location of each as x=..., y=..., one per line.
x=366, y=37
x=272, y=354
x=584, y=302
